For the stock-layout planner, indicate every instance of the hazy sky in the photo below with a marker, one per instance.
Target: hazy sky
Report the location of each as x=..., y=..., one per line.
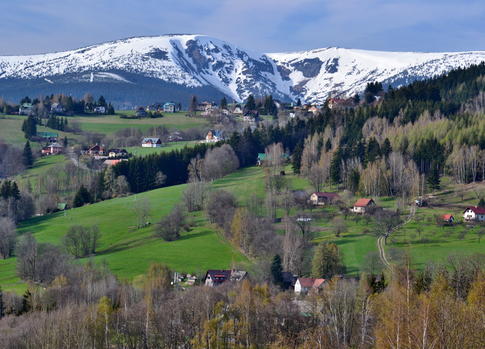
x=34, y=26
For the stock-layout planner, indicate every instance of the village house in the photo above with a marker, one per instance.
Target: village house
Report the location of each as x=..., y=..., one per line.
x=314, y=110
x=217, y=277
x=96, y=150
x=304, y=285
x=237, y=110
x=170, y=107
x=363, y=205
x=117, y=153
x=341, y=103
x=151, y=142
x=322, y=198
x=52, y=149
x=100, y=110
x=448, y=218
x=206, y=106
x=214, y=136
x=26, y=109
x=57, y=108
x=475, y=213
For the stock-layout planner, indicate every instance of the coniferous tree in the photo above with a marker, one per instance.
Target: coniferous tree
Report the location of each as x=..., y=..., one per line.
x=481, y=203
x=434, y=176
x=223, y=103
x=250, y=103
x=386, y=148
x=335, y=167
x=65, y=142
x=82, y=197
x=27, y=156
x=298, y=102
x=277, y=271
x=193, y=104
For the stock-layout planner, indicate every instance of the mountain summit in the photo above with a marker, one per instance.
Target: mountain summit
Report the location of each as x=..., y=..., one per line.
x=143, y=70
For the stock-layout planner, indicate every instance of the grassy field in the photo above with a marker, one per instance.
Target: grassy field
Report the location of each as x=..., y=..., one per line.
x=139, y=151
x=128, y=251
x=113, y=123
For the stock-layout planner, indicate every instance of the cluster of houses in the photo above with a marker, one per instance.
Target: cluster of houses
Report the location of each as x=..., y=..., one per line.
x=111, y=156
x=300, y=285
x=470, y=214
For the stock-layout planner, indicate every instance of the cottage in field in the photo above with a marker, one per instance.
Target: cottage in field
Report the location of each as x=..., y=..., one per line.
x=96, y=150
x=474, y=214
x=363, y=205
x=26, y=109
x=57, y=108
x=52, y=149
x=217, y=277
x=448, y=218
x=151, y=142
x=170, y=107
x=214, y=136
x=323, y=198
x=100, y=110
x=304, y=285
x=237, y=110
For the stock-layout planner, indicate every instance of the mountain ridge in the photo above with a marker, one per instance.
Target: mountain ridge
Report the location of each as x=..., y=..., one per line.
x=214, y=67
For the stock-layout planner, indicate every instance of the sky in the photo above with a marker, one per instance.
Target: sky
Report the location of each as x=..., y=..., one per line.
x=33, y=26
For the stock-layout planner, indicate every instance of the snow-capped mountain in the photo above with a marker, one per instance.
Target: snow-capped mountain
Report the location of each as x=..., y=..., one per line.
x=316, y=74
x=149, y=69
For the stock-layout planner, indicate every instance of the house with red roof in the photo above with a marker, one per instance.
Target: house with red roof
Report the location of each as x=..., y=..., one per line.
x=448, y=218
x=363, y=205
x=304, y=285
x=474, y=213
x=323, y=198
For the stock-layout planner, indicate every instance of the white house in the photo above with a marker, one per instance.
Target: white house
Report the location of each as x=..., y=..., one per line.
x=320, y=199
x=474, y=213
x=151, y=143
x=214, y=136
x=170, y=107
x=304, y=285
x=362, y=205
x=100, y=110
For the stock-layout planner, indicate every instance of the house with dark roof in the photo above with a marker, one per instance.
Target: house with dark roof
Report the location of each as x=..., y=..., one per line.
x=151, y=142
x=323, y=198
x=363, y=205
x=474, y=214
x=304, y=285
x=217, y=277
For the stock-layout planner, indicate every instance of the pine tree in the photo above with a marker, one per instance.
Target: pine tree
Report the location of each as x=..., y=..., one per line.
x=223, y=103
x=481, y=203
x=327, y=261
x=335, y=167
x=101, y=101
x=296, y=157
x=250, y=103
x=14, y=191
x=82, y=197
x=65, y=142
x=193, y=104
x=386, y=148
x=298, y=102
x=277, y=271
x=27, y=157
x=434, y=176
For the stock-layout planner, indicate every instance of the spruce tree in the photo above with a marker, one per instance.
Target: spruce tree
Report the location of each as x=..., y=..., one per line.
x=223, y=103
x=193, y=104
x=335, y=167
x=298, y=102
x=65, y=142
x=434, y=176
x=386, y=148
x=27, y=157
x=250, y=103
x=82, y=197
x=277, y=271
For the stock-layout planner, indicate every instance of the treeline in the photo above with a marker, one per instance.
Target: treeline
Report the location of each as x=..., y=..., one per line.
x=84, y=306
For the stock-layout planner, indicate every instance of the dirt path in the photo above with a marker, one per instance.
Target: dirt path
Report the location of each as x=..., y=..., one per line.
x=381, y=240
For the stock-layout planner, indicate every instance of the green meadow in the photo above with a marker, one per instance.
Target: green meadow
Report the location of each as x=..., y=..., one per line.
x=129, y=251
